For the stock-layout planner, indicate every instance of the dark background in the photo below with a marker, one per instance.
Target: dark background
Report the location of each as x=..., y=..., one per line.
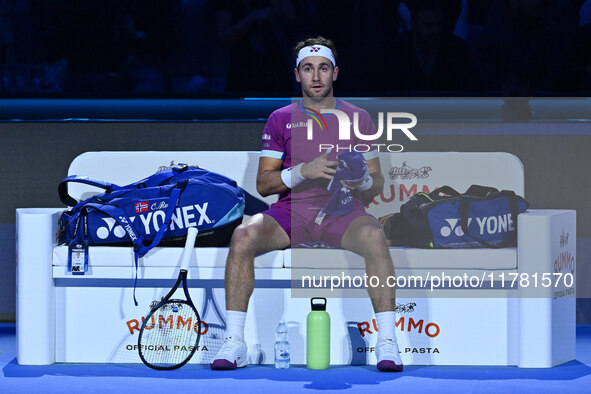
x=223, y=48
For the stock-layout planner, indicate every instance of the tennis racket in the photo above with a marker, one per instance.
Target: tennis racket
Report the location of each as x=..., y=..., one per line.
x=170, y=333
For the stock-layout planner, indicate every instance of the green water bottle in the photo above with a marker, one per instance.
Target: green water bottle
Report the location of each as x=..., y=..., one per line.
x=318, y=335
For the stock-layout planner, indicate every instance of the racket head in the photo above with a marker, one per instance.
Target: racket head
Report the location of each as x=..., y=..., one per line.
x=169, y=335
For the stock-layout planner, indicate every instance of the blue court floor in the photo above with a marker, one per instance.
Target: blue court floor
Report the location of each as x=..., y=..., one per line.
x=572, y=377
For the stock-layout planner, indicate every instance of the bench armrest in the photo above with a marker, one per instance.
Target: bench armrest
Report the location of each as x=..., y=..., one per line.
x=546, y=251
x=36, y=230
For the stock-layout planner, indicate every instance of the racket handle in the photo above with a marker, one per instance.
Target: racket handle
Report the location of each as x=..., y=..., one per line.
x=189, y=245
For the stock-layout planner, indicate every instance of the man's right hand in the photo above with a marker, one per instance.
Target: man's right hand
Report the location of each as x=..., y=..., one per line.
x=320, y=167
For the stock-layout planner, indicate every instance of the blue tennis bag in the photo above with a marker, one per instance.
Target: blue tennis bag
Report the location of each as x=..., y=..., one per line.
x=157, y=210
x=482, y=217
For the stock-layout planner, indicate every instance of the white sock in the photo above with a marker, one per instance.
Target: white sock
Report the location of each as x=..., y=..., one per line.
x=235, y=321
x=386, y=325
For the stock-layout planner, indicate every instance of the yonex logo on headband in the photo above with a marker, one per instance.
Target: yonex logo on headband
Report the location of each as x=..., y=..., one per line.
x=316, y=50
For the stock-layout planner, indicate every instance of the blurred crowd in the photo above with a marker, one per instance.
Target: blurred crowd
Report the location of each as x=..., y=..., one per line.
x=224, y=48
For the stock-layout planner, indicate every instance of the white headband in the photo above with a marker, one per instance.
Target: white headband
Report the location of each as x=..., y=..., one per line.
x=315, y=50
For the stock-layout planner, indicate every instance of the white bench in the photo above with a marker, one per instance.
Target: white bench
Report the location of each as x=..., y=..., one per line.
x=92, y=318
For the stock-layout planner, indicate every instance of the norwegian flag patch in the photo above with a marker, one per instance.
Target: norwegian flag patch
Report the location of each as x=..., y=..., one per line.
x=141, y=206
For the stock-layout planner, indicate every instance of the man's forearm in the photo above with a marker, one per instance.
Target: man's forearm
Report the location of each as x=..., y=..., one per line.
x=269, y=182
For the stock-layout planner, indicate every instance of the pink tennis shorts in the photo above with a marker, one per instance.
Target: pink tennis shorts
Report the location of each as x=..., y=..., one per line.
x=299, y=223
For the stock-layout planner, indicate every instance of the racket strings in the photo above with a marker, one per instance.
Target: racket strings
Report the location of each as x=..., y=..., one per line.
x=211, y=342
x=171, y=335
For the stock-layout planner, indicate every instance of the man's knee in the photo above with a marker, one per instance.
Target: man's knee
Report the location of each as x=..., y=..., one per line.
x=373, y=240
x=244, y=238
x=373, y=234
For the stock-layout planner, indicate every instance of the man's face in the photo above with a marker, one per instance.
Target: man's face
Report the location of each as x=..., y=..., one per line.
x=316, y=74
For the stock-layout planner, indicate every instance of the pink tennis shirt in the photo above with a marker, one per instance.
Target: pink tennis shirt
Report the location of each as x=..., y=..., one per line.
x=286, y=137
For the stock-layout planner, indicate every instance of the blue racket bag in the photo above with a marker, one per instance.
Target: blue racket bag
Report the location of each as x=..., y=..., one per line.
x=156, y=210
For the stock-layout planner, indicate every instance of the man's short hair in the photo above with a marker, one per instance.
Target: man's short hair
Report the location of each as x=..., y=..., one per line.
x=315, y=41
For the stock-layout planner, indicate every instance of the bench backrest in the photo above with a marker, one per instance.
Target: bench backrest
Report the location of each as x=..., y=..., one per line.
x=405, y=173
x=409, y=173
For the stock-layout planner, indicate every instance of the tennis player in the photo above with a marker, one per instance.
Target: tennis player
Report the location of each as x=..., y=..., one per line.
x=299, y=171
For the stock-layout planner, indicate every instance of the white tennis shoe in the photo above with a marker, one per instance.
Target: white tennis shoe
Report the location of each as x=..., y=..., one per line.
x=232, y=355
x=388, y=356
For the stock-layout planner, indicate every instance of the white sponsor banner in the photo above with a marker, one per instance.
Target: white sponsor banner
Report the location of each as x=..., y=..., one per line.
x=429, y=331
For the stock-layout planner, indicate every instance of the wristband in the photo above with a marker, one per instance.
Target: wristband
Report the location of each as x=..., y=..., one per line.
x=366, y=184
x=292, y=176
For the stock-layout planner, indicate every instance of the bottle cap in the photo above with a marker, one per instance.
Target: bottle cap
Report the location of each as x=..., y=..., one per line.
x=317, y=306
